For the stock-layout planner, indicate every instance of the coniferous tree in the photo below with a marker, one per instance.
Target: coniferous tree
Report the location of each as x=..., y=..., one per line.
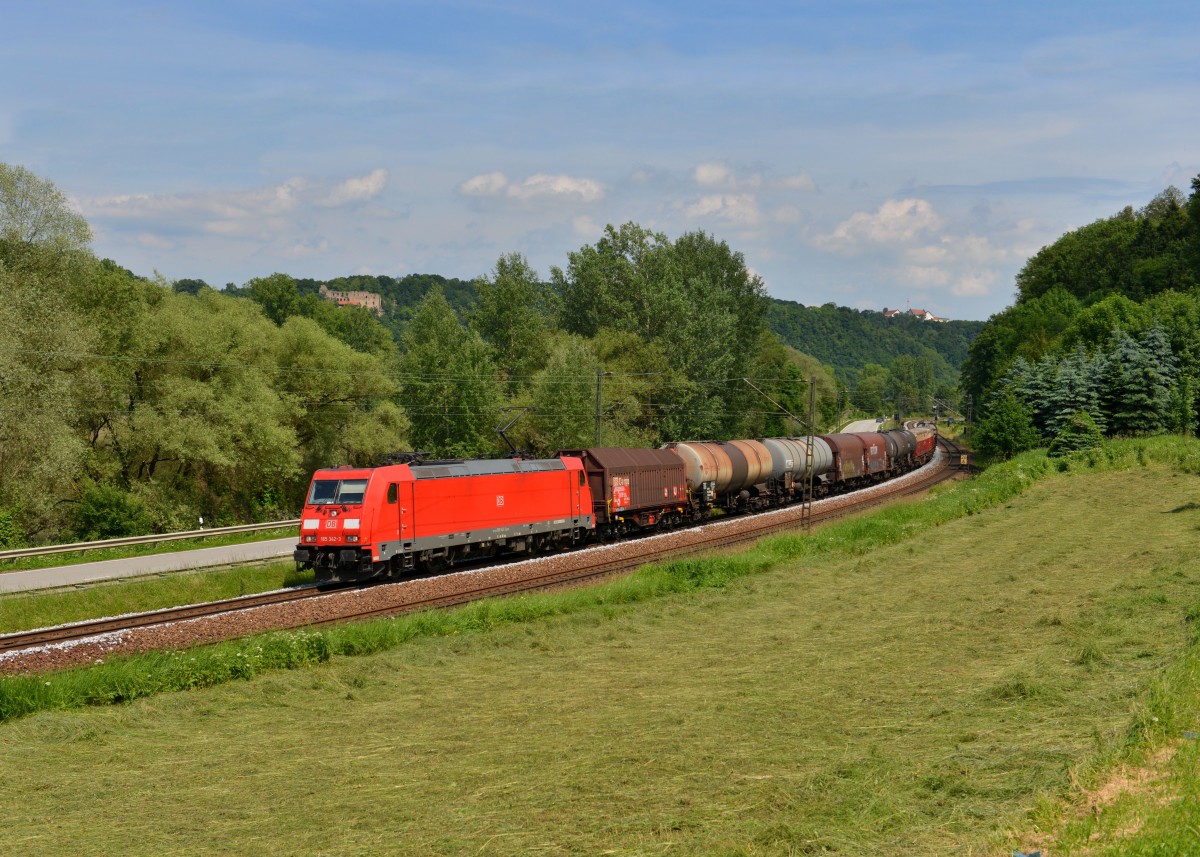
x=1078, y=432
x=1007, y=429
x=1038, y=392
x=1136, y=394
x=1183, y=406
x=1076, y=388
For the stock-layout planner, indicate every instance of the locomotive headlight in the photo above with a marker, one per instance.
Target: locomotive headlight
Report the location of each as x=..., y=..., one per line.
x=310, y=538
x=349, y=523
x=351, y=539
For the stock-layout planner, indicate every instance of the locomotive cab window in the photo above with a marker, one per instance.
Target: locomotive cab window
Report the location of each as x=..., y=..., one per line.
x=582, y=478
x=392, y=493
x=335, y=491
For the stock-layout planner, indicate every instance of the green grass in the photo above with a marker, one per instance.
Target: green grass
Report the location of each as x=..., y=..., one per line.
x=930, y=684
x=216, y=664
x=98, y=555
x=25, y=611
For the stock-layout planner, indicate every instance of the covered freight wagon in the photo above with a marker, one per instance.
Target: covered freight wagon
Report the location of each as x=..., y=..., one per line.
x=634, y=488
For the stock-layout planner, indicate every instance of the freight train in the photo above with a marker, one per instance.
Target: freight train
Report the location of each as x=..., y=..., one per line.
x=422, y=516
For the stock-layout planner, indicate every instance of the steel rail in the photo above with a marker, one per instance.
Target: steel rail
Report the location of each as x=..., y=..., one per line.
x=92, y=628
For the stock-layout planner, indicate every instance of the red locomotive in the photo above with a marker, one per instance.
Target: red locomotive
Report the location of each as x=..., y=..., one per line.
x=360, y=523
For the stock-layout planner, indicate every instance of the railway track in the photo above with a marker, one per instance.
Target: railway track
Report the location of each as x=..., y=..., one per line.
x=569, y=569
x=91, y=628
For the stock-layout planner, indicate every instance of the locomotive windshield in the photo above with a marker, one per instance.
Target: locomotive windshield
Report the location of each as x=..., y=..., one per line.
x=335, y=491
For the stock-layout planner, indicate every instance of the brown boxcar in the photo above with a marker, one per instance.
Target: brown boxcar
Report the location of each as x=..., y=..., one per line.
x=874, y=452
x=634, y=487
x=849, y=461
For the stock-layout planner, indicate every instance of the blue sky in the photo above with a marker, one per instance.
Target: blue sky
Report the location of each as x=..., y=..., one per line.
x=869, y=154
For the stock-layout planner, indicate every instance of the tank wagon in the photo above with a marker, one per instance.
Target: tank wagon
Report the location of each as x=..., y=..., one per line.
x=386, y=521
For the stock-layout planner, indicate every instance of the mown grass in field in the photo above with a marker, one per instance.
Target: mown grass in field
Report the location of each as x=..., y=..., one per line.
x=214, y=664
x=810, y=696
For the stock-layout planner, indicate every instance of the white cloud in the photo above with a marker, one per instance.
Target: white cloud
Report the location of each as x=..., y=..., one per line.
x=223, y=227
x=542, y=184
x=975, y=284
x=537, y=185
x=787, y=214
x=713, y=174
x=801, y=181
x=221, y=205
x=156, y=242
x=278, y=199
x=304, y=249
x=719, y=175
x=736, y=208
x=358, y=189
x=585, y=226
x=963, y=264
x=897, y=221
x=925, y=276
x=1178, y=175
x=931, y=254
x=487, y=184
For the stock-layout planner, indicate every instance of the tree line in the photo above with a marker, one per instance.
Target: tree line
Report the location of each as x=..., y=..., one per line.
x=135, y=404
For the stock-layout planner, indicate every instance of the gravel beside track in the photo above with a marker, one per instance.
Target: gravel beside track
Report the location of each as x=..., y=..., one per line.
x=385, y=597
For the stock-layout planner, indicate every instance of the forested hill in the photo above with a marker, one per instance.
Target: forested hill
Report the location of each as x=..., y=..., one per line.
x=1104, y=336
x=848, y=339
x=842, y=338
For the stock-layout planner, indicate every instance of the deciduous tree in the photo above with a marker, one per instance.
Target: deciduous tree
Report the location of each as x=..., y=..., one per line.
x=450, y=387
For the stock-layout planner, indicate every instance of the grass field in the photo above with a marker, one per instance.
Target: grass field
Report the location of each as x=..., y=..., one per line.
x=957, y=694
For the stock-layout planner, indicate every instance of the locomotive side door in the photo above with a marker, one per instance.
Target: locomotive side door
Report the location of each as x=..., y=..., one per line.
x=407, y=510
